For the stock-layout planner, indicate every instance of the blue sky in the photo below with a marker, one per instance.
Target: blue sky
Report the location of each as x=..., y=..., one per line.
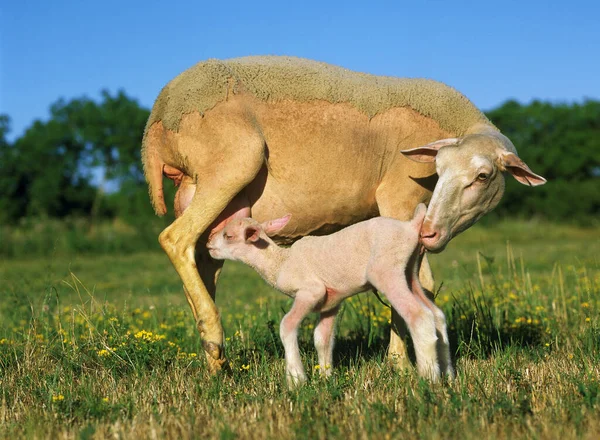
x=490, y=51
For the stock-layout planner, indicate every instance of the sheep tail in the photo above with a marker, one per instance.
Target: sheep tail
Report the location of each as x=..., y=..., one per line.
x=153, y=170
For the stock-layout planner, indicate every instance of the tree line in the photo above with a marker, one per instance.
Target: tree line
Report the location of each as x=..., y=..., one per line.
x=85, y=161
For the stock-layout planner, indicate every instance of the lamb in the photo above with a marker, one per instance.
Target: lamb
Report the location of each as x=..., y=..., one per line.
x=320, y=272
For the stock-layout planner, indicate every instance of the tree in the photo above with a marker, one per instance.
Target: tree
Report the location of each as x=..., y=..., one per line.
x=52, y=169
x=8, y=183
x=562, y=143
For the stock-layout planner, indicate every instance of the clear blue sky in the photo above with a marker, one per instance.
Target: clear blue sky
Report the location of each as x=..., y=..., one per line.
x=489, y=50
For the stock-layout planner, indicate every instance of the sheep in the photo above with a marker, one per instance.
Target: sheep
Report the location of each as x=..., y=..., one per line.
x=320, y=272
x=263, y=136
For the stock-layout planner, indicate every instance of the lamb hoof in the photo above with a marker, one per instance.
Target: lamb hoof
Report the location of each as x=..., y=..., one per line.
x=295, y=381
x=450, y=374
x=430, y=372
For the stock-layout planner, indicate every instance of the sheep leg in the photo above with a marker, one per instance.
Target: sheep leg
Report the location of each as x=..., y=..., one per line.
x=209, y=269
x=324, y=340
x=304, y=303
x=426, y=275
x=418, y=318
x=179, y=239
x=397, y=350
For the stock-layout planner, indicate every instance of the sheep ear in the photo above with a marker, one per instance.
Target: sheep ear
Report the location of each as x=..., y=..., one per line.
x=427, y=153
x=273, y=226
x=252, y=234
x=520, y=171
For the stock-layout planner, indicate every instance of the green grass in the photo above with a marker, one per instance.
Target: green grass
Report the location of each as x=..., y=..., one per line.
x=94, y=346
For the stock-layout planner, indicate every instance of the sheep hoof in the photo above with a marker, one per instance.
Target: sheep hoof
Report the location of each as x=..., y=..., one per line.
x=215, y=357
x=399, y=361
x=216, y=365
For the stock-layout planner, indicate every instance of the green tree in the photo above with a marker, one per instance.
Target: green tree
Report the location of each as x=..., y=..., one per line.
x=52, y=170
x=562, y=143
x=4, y=130
x=8, y=184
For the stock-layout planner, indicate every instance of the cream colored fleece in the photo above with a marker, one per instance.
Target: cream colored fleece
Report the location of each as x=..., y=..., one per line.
x=275, y=78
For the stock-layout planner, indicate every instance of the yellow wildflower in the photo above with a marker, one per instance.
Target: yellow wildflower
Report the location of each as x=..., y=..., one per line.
x=148, y=336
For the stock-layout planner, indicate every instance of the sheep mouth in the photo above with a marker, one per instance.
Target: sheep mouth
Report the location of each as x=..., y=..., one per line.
x=435, y=243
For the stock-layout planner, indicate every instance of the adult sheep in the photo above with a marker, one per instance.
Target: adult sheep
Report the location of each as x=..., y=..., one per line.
x=268, y=136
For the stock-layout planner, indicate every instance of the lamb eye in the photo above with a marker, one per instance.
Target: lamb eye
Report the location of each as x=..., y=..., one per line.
x=482, y=177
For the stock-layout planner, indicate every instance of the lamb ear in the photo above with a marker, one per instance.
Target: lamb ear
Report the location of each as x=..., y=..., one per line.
x=427, y=153
x=252, y=234
x=271, y=227
x=520, y=171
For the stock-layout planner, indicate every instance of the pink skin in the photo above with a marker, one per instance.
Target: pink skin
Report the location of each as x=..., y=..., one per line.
x=324, y=338
x=379, y=253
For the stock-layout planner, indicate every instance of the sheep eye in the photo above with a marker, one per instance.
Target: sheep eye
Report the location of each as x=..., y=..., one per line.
x=482, y=177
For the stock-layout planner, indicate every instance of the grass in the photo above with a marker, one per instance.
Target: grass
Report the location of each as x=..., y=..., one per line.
x=93, y=346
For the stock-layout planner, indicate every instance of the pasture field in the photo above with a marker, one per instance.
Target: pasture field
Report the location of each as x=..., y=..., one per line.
x=104, y=346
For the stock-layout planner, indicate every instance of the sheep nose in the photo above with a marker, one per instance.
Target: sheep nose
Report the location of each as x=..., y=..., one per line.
x=428, y=234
